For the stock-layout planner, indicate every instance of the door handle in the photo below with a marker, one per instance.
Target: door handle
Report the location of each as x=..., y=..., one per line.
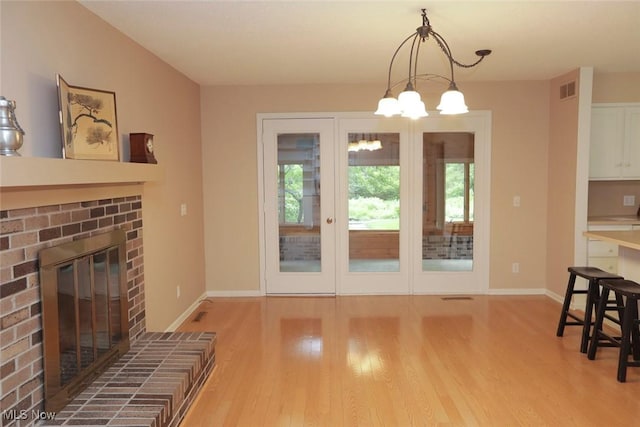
x=329, y=220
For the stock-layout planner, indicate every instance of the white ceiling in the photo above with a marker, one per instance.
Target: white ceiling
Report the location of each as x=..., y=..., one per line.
x=313, y=41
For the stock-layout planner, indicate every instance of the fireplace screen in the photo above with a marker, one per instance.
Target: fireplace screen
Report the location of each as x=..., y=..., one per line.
x=84, y=310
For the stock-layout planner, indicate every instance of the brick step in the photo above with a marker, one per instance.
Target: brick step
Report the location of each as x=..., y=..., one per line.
x=152, y=385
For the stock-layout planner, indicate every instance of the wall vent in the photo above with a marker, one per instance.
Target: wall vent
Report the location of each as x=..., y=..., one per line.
x=568, y=90
x=199, y=316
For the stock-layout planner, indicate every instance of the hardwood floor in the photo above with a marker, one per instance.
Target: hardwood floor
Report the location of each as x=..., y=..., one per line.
x=405, y=361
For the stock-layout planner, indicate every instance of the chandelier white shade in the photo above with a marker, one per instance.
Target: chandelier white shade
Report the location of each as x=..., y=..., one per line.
x=452, y=102
x=409, y=102
x=388, y=107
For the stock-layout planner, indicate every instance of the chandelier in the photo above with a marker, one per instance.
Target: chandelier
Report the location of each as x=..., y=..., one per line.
x=409, y=103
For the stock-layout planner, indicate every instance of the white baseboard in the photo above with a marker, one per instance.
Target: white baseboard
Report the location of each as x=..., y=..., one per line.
x=221, y=294
x=525, y=291
x=176, y=323
x=554, y=296
x=506, y=291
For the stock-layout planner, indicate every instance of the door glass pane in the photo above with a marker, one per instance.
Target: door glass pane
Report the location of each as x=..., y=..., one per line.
x=447, y=201
x=299, y=202
x=374, y=202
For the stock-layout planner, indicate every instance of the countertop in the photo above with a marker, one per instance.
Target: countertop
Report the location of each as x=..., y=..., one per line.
x=614, y=220
x=628, y=239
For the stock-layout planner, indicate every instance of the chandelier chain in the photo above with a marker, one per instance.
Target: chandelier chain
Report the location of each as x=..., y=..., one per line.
x=448, y=53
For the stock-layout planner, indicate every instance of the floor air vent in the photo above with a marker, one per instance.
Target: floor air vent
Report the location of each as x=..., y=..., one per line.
x=199, y=316
x=456, y=298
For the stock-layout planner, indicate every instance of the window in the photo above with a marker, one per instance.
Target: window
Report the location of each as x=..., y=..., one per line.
x=298, y=180
x=290, y=194
x=459, y=180
x=374, y=197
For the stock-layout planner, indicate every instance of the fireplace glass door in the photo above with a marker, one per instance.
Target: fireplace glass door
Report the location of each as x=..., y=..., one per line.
x=89, y=315
x=84, y=312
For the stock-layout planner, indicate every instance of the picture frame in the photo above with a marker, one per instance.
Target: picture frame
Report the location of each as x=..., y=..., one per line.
x=88, y=122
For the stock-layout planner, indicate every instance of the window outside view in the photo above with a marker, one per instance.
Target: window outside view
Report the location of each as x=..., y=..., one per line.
x=459, y=195
x=374, y=197
x=290, y=183
x=374, y=202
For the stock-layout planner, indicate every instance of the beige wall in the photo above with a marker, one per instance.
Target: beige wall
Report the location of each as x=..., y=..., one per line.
x=40, y=39
x=616, y=87
x=519, y=167
x=561, y=191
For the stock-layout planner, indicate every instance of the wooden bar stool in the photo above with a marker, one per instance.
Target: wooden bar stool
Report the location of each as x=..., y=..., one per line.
x=629, y=342
x=593, y=275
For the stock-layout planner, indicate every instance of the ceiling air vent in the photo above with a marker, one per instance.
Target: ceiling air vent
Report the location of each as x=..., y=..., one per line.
x=568, y=90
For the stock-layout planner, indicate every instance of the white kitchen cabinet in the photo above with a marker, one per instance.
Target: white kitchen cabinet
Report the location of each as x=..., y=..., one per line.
x=615, y=142
x=604, y=255
x=608, y=264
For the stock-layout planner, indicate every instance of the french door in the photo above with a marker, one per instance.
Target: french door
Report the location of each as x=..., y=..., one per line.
x=373, y=206
x=299, y=213
x=361, y=205
x=450, y=219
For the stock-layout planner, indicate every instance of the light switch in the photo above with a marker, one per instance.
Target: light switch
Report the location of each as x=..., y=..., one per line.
x=516, y=201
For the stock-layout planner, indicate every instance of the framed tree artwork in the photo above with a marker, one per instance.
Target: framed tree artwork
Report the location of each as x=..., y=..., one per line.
x=88, y=122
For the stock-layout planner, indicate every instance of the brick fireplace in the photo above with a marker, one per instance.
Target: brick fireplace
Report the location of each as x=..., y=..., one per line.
x=47, y=202
x=23, y=233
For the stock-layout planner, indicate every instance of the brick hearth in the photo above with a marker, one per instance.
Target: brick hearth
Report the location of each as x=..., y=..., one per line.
x=152, y=385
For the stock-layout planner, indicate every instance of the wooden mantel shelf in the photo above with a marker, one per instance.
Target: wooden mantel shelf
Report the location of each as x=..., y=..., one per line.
x=42, y=172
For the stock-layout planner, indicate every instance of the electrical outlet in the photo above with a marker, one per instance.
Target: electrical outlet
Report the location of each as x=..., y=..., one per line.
x=515, y=267
x=178, y=291
x=629, y=200
x=183, y=209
